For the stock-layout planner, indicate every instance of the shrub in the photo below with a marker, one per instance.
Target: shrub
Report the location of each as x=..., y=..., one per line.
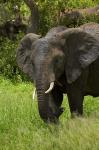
x=8, y=65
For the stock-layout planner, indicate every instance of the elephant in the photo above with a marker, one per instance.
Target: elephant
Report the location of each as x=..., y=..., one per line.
x=62, y=62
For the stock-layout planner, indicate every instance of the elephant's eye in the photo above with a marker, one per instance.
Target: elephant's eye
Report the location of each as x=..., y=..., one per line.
x=33, y=65
x=58, y=66
x=57, y=60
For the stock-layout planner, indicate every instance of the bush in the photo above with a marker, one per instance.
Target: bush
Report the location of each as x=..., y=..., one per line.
x=50, y=13
x=8, y=65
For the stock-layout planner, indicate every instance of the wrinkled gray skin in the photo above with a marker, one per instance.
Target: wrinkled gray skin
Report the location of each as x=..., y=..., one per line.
x=70, y=58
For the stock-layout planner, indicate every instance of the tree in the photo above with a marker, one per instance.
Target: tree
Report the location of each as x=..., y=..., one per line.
x=34, y=26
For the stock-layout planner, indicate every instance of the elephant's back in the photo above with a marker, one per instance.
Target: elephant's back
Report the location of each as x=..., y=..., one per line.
x=92, y=28
x=55, y=30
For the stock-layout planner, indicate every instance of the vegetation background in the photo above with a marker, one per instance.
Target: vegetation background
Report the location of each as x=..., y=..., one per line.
x=20, y=125
x=49, y=16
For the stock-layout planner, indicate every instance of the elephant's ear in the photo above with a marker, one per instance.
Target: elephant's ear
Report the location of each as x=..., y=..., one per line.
x=23, y=54
x=81, y=49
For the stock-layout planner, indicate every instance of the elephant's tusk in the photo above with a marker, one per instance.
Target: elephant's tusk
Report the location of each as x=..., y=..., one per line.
x=34, y=93
x=50, y=88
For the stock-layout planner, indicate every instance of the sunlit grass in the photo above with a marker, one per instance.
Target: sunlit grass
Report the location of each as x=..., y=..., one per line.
x=22, y=129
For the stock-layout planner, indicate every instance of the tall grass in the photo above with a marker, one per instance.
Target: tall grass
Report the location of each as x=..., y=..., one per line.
x=22, y=129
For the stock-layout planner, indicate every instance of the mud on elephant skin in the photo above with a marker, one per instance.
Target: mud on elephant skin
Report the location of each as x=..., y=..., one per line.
x=64, y=61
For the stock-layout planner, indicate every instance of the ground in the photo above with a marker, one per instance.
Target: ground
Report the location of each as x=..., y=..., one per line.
x=22, y=129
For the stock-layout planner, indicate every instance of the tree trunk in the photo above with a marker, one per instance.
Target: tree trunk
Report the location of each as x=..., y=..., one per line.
x=34, y=26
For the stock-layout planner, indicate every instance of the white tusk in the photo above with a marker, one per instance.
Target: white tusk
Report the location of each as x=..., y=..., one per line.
x=50, y=88
x=34, y=93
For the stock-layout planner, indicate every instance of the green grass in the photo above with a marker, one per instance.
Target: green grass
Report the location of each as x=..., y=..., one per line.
x=22, y=129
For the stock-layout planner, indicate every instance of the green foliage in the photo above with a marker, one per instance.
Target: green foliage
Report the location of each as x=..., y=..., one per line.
x=22, y=129
x=50, y=12
x=8, y=13
x=4, y=14
x=80, y=3
x=8, y=65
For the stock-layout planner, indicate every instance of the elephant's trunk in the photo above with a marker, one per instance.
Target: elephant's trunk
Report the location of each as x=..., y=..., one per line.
x=42, y=100
x=46, y=105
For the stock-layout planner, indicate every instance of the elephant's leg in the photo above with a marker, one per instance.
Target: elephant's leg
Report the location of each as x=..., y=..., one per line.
x=75, y=93
x=75, y=98
x=58, y=98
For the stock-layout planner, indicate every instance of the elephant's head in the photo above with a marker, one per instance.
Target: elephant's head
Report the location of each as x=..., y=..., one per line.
x=46, y=59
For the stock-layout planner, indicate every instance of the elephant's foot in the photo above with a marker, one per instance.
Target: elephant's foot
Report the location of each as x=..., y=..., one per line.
x=76, y=114
x=52, y=117
x=59, y=112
